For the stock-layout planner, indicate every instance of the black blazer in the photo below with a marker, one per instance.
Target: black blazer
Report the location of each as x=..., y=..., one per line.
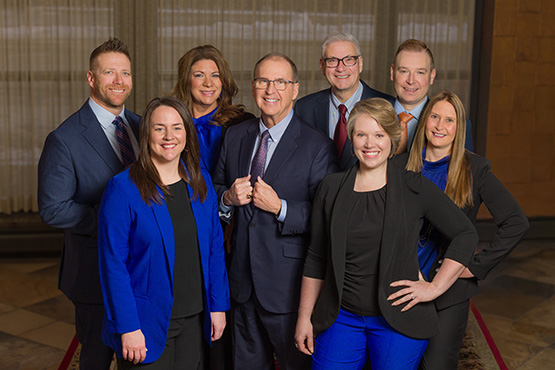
x=410, y=198
x=75, y=165
x=511, y=223
x=267, y=256
x=315, y=110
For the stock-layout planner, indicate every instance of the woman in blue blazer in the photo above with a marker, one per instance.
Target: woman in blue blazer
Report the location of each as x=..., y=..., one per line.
x=161, y=253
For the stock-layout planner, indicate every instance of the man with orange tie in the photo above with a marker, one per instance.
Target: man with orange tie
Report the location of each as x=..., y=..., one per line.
x=328, y=110
x=412, y=73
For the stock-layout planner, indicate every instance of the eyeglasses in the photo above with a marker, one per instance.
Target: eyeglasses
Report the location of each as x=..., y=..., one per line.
x=348, y=61
x=280, y=83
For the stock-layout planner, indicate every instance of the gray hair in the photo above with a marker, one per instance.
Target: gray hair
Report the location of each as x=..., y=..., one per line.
x=340, y=36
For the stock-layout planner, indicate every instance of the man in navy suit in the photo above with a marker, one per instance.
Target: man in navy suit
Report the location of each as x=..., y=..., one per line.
x=266, y=177
x=412, y=73
x=78, y=159
x=341, y=63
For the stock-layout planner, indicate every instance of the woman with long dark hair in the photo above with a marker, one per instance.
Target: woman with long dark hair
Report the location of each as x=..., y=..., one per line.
x=206, y=86
x=161, y=253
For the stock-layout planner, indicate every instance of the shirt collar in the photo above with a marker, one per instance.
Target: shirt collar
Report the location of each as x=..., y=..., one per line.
x=103, y=116
x=276, y=131
x=416, y=111
x=350, y=103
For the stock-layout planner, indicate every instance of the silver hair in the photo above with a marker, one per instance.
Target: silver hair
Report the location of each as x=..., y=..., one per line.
x=340, y=36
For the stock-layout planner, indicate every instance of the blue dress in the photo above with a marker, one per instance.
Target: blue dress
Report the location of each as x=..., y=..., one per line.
x=209, y=140
x=427, y=244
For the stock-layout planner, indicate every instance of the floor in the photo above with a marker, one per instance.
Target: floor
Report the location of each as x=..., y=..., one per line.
x=517, y=301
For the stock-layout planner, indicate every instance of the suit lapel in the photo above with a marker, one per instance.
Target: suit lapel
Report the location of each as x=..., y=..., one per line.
x=322, y=112
x=285, y=149
x=395, y=218
x=165, y=225
x=95, y=136
x=339, y=225
x=246, y=149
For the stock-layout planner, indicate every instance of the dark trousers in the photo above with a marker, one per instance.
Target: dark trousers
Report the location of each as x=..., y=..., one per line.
x=88, y=326
x=184, y=347
x=219, y=355
x=443, y=349
x=259, y=334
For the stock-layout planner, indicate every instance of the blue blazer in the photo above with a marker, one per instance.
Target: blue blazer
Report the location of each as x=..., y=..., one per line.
x=315, y=110
x=76, y=163
x=267, y=256
x=136, y=255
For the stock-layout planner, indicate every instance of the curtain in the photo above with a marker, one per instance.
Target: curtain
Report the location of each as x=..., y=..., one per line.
x=45, y=46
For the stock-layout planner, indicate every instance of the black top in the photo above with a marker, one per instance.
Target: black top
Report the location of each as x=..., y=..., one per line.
x=360, y=289
x=187, y=276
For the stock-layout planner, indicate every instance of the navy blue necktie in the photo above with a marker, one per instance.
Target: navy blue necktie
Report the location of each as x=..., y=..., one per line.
x=259, y=160
x=124, y=142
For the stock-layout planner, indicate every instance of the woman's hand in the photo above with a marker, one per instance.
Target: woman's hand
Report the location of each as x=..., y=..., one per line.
x=304, y=337
x=422, y=291
x=414, y=293
x=133, y=346
x=218, y=324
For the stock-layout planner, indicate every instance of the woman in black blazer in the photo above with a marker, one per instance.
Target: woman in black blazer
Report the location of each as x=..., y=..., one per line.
x=361, y=293
x=438, y=152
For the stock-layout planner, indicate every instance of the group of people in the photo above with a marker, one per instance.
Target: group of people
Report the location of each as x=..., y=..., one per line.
x=332, y=232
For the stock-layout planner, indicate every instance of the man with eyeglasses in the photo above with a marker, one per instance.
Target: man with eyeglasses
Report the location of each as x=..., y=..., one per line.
x=328, y=110
x=266, y=177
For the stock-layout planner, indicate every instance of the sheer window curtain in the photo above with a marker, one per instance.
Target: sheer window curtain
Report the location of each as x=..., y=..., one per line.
x=45, y=46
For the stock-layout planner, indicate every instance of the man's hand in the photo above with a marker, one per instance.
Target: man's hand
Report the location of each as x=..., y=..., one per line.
x=240, y=192
x=265, y=198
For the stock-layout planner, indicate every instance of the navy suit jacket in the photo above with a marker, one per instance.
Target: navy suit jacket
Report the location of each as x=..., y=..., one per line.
x=76, y=163
x=267, y=256
x=315, y=109
x=137, y=257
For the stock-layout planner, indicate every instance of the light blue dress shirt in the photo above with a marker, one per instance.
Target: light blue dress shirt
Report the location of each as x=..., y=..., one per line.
x=413, y=123
x=106, y=118
x=334, y=108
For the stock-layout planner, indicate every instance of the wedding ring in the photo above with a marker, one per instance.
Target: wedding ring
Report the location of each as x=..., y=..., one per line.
x=249, y=195
x=411, y=296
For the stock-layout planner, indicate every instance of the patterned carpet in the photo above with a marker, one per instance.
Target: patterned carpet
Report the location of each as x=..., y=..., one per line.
x=478, y=350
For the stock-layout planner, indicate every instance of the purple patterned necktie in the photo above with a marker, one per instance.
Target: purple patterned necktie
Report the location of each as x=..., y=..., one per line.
x=124, y=143
x=259, y=160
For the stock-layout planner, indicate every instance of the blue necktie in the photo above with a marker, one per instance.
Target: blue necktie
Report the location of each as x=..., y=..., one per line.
x=124, y=142
x=259, y=160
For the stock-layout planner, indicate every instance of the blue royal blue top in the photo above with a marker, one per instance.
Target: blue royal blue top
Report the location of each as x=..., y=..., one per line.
x=436, y=172
x=209, y=140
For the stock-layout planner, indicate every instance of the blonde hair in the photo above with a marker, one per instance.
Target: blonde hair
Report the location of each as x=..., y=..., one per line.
x=382, y=111
x=459, y=176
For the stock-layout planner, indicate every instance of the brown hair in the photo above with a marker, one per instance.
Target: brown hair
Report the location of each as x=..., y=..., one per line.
x=382, y=111
x=416, y=46
x=226, y=111
x=143, y=172
x=459, y=177
x=112, y=45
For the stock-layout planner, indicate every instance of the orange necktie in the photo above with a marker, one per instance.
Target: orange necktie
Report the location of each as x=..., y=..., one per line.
x=404, y=118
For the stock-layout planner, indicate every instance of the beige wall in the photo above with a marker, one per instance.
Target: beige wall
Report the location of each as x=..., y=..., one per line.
x=521, y=117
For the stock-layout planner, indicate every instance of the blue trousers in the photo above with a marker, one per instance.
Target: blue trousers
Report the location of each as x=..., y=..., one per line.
x=346, y=343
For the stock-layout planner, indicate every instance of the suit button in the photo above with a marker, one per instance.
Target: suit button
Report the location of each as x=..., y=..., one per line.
x=253, y=224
